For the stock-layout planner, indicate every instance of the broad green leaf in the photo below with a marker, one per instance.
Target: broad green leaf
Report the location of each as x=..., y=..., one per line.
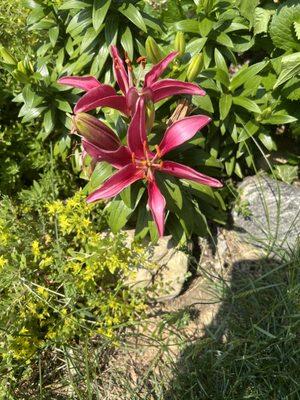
x=176, y=229
x=100, y=60
x=297, y=29
x=247, y=104
x=33, y=113
x=187, y=25
x=127, y=42
x=111, y=30
x=35, y=15
x=63, y=105
x=49, y=121
x=247, y=9
x=278, y=119
x=267, y=141
x=261, y=20
x=79, y=22
x=282, y=30
x=132, y=195
x=204, y=103
x=220, y=61
x=229, y=166
x=225, y=105
x=102, y=171
x=133, y=14
x=286, y=173
x=291, y=90
x=225, y=40
x=200, y=223
x=88, y=38
x=195, y=46
x=249, y=129
x=238, y=170
x=53, y=35
x=290, y=68
x=118, y=214
x=74, y=4
x=142, y=223
x=205, y=26
x=100, y=8
x=246, y=74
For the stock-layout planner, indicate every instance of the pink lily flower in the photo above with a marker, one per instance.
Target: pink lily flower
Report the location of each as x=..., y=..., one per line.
x=100, y=95
x=143, y=164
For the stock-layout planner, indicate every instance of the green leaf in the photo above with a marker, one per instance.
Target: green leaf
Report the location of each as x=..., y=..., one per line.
x=205, y=26
x=132, y=195
x=88, y=38
x=282, y=29
x=195, y=46
x=142, y=223
x=133, y=14
x=49, y=121
x=220, y=61
x=118, y=213
x=286, y=173
x=74, y=4
x=33, y=113
x=297, y=29
x=187, y=25
x=278, y=119
x=204, y=103
x=200, y=223
x=102, y=171
x=246, y=74
x=225, y=40
x=290, y=68
x=229, y=166
x=238, y=170
x=247, y=9
x=100, y=9
x=261, y=20
x=111, y=30
x=53, y=35
x=247, y=104
x=225, y=105
x=267, y=141
x=63, y=105
x=249, y=129
x=127, y=42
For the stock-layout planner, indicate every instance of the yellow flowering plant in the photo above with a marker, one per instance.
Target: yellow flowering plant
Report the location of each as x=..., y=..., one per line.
x=62, y=278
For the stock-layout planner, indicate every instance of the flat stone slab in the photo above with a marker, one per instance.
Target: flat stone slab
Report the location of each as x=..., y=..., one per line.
x=268, y=213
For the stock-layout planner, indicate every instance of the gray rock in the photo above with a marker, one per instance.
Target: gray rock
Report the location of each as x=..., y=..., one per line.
x=165, y=269
x=268, y=214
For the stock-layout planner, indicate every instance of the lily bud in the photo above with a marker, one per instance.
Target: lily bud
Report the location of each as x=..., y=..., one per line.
x=195, y=67
x=153, y=51
x=96, y=132
x=179, y=44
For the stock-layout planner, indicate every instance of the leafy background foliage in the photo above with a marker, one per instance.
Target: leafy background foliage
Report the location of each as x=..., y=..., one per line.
x=246, y=56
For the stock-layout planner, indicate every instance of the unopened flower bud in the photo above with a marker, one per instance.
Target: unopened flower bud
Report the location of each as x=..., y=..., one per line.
x=179, y=44
x=195, y=67
x=96, y=131
x=154, y=54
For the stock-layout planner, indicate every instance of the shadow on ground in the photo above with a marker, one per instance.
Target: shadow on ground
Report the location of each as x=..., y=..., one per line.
x=250, y=350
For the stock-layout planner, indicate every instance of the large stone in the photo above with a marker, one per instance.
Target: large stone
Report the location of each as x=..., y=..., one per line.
x=268, y=213
x=165, y=269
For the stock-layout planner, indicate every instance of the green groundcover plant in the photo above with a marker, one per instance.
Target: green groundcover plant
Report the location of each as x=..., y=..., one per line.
x=61, y=278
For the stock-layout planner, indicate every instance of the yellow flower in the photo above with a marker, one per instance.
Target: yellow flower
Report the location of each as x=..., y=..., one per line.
x=35, y=248
x=3, y=262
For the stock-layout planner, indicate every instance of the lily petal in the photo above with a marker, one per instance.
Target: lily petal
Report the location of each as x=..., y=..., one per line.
x=136, y=134
x=117, y=158
x=158, y=69
x=101, y=97
x=82, y=82
x=184, y=172
x=157, y=204
x=119, y=70
x=171, y=87
x=182, y=131
x=116, y=183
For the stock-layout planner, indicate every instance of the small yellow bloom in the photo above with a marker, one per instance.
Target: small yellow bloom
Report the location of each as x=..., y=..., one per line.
x=35, y=248
x=3, y=262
